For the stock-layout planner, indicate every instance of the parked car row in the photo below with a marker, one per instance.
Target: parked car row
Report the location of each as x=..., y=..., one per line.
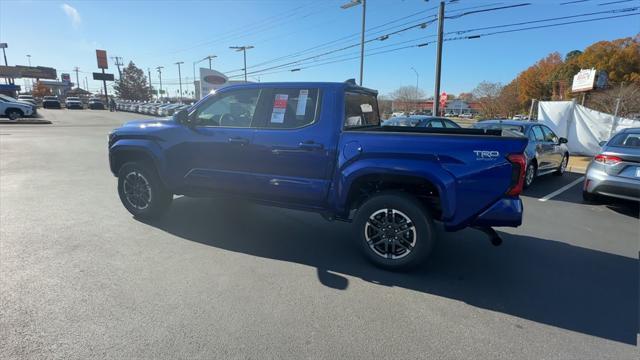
x=151, y=108
x=71, y=102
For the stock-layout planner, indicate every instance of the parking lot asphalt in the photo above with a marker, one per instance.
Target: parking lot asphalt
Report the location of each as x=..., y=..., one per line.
x=80, y=278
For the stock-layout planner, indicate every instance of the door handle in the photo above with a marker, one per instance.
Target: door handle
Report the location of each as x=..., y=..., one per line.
x=310, y=145
x=238, y=140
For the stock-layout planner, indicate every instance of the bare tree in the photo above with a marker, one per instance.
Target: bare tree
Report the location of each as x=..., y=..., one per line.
x=406, y=97
x=488, y=96
x=606, y=100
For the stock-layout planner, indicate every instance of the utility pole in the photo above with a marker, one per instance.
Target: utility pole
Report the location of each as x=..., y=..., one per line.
x=119, y=63
x=436, y=98
x=353, y=3
x=244, y=50
x=77, y=77
x=180, y=77
x=86, y=84
x=159, y=68
x=417, y=77
x=29, y=60
x=150, y=86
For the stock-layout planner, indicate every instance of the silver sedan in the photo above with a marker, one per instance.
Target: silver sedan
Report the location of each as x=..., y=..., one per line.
x=615, y=171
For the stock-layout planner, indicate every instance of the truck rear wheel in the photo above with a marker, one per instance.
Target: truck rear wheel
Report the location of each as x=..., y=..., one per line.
x=142, y=192
x=394, y=230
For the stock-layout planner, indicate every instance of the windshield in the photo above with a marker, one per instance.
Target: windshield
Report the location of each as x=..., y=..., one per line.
x=499, y=126
x=631, y=140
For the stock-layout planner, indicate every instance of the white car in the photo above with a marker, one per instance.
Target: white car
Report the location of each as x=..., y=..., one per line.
x=15, y=109
x=466, y=116
x=27, y=98
x=73, y=102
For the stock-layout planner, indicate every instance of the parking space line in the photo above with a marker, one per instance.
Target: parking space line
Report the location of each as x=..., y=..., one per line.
x=562, y=189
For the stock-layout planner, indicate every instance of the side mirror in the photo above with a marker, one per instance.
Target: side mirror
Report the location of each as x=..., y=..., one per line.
x=563, y=140
x=182, y=117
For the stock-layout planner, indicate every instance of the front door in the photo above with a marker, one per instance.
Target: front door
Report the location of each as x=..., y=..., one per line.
x=294, y=153
x=220, y=144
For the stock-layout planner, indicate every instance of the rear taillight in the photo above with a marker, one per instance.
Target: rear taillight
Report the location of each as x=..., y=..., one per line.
x=518, y=164
x=607, y=159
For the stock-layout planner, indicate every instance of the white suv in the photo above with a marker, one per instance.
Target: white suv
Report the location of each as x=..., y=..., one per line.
x=14, y=109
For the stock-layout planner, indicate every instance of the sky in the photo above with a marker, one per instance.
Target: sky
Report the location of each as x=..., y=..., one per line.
x=65, y=34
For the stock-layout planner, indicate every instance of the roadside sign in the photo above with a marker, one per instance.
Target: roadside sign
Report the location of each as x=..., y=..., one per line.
x=443, y=99
x=103, y=77
x=101, y=55
x=21, y=71
x=584, y=80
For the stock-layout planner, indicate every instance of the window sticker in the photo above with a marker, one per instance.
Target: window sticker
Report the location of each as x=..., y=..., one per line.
x=279, y=108
x=302, y=102
x=366, y=108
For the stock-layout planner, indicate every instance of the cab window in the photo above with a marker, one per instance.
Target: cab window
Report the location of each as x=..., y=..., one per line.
x=289, y=108
x=360, y=110
x=230, y=109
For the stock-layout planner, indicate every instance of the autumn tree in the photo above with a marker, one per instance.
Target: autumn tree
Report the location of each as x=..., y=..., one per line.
x=133, y=84
x=508, y=99
x=537, y=82
x=40, y=90
x=619, y=58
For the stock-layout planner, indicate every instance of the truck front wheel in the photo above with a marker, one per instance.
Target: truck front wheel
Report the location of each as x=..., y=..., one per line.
x=141, y=191
x=394, y=230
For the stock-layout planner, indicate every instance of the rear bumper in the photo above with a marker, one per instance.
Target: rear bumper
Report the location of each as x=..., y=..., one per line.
x=505, y=212
x=599, y=182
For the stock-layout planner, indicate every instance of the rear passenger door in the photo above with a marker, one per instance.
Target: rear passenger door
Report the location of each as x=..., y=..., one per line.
x=294, y=154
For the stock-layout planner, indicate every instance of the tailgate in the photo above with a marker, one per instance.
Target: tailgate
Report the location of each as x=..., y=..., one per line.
x=482, y=171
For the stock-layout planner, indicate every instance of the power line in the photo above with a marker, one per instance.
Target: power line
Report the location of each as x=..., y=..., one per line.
x=341, y=40
x=468, y=37
x=549, y=19
x=379, y=38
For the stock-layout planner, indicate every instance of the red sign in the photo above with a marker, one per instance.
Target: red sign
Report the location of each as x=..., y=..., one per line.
x=443, y=98
x=101, y=55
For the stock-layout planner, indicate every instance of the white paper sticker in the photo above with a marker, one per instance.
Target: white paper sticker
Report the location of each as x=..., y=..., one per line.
x=302, y=102
x=366, y=108
x=279, y=108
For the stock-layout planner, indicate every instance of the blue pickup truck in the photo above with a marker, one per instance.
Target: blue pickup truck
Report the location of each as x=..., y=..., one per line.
x=320, y=147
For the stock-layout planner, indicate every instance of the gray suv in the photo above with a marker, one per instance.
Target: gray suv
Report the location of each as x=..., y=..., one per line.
x=615, y=171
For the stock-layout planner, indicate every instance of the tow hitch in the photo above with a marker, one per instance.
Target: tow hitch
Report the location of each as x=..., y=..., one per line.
x=492, y=234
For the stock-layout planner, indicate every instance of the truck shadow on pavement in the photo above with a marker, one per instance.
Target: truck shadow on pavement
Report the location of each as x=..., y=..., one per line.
x=541, y=280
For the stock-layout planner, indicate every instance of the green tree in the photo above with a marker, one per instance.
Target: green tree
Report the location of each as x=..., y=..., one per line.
x=133, y=84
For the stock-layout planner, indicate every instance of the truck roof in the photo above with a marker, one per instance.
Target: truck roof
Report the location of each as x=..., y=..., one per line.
x=346, y=85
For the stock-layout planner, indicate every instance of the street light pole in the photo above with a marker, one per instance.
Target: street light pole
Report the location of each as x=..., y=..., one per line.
x=436, y=98
x=210, y=57
x=364, y=16
x=417, y=77
x=180, y=78
x=29, y=60
x=159, y=68
x=244, y=50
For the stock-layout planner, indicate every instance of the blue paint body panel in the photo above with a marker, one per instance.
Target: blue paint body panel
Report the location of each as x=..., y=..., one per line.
x=315, y=166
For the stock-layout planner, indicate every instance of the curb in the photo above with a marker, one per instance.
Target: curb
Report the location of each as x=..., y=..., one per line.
x=26, y=122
